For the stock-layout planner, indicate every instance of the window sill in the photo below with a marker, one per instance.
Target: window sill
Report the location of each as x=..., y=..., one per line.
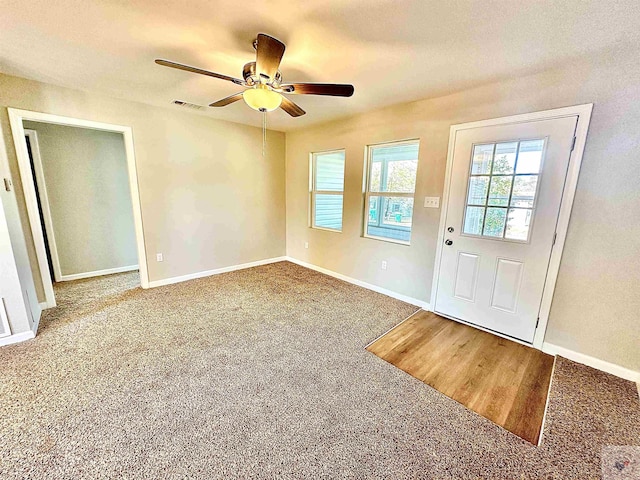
x=326, y=229
x=388, y=240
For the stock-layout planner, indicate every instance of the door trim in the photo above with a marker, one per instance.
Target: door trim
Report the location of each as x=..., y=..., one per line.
x=583, y=112
x=44, y=201
x=16, y=116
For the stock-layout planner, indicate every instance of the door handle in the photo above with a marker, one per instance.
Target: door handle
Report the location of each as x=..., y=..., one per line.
x=448, y=242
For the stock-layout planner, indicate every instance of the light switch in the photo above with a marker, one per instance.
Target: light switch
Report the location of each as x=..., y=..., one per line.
x=431, y=202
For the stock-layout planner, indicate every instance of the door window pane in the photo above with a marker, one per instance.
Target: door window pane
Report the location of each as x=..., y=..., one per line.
x=530, y=156
x=482, y=156
x=518, y=222
x=473, y=220
x=478, y=188
x=494, y=222
x=505, y=158
x=524, y=190
x=502, y=189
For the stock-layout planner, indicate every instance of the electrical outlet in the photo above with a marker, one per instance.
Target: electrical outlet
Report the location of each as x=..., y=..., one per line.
x=431, y=202
x=306, y=244
x=159, y=257
x=384, y=265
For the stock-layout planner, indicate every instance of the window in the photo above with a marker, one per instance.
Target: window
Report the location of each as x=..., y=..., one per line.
x=389, y=190
x=326, y=190
x=502, y=189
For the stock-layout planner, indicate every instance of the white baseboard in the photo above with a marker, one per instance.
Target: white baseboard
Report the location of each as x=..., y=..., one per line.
x=593, y=362
x=413, y=301
x=208, y=273
x=17, y=338
x=97, y=273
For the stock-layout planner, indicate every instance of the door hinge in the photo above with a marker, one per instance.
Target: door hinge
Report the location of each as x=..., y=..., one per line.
x=7, y=184
x=537, y=322
x=573, y=145
x=555, y=235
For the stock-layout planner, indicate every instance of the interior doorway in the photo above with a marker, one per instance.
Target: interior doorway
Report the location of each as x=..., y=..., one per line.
x=80, y=186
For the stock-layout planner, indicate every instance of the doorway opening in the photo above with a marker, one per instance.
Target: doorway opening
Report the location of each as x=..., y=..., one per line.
x=80, y=186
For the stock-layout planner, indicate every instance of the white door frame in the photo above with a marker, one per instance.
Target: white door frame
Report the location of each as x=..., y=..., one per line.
x=583, y=112
x=44, y=201
x=16, y=117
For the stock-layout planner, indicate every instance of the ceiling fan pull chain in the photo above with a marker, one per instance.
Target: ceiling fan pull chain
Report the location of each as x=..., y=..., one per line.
x=264, y=133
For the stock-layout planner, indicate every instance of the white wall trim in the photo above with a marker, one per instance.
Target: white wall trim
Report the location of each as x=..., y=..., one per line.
x=44, y=201
x=583, y=112
x=593, y=362
x=217, y=271
x=17, y=338
x=16, y=117
x=97, y=273
x=22, y=336
x=398, y=296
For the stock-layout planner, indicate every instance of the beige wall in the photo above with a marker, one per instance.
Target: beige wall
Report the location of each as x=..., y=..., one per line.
x=209, y=199
x=87, y=185
x=597, y=299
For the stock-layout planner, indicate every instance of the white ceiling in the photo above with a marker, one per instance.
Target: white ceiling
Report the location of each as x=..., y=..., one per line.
x=391, y=50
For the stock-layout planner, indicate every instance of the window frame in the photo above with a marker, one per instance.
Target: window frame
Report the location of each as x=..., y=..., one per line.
x=513, y=176
x=367, y=193
x=313, y=192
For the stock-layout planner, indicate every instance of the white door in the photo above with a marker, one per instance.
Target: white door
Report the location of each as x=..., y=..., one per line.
x=505, y=190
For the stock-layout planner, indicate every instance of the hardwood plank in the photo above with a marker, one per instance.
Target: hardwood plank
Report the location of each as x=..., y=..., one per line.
x=501, y=380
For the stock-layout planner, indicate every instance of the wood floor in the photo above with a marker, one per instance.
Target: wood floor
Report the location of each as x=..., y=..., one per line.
x=501, y=380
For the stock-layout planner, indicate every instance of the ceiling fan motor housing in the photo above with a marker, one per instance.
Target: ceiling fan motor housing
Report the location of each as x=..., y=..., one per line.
x=252, y=77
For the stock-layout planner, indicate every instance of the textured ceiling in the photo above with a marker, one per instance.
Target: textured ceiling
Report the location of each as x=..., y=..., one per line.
x=392, y=51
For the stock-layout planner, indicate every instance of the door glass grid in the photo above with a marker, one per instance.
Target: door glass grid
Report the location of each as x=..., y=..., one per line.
x=502, y=189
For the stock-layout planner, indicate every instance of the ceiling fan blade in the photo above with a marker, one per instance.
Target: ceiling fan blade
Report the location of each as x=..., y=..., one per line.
x=227, y=100
x=187, y=68
x=331, y=89
x=269, y=52
x=291, y=108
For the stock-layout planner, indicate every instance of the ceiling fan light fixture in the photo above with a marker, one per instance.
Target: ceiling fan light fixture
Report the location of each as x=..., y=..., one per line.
x=262, y=99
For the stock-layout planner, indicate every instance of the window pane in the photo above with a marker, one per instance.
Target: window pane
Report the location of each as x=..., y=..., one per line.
x=376, y=172
x=499, y=191
x=374, y=210
x=530, y=156
x=478, y=188
x=398, y=165
x=494, y=222
x=328, y=211
x=518, y=223
x=329, y=171
x=393, y=220
x=473, y=220
x=401, y=176
x=482, y=155
x=524, y=191
x=397, y=211
x=505, y=158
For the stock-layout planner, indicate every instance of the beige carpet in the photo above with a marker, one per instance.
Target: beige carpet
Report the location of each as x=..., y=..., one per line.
x=262, y=373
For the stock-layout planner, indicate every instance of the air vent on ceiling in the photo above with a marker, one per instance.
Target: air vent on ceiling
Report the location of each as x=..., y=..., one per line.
x=193, y=106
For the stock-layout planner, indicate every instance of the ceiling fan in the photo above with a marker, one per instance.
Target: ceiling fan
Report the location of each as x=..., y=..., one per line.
x=262, y=80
